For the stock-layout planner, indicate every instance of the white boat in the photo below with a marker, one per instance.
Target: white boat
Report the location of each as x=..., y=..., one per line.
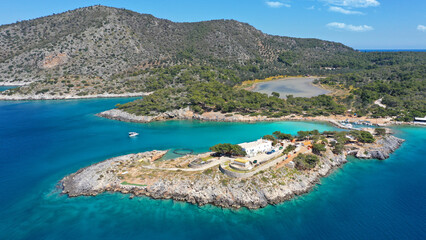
x=133, y=134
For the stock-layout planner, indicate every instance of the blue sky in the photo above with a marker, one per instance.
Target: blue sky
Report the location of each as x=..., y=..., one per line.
x=361, y=24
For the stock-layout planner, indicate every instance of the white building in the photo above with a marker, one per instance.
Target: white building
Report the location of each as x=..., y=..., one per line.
x=256, y=147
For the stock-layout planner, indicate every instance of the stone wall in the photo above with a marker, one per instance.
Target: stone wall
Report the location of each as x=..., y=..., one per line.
x=235, y=174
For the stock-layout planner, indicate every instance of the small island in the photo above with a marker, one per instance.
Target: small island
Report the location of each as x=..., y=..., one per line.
x=270, y=170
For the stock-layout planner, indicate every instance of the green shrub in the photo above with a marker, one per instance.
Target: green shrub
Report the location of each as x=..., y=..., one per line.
x=380, y=131
x=317, y=148
x=306, y=161
x=228, y=149
x=289, y=148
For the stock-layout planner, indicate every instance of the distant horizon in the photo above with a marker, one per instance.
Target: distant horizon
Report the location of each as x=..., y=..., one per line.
x=393, y=50
x=359, y=24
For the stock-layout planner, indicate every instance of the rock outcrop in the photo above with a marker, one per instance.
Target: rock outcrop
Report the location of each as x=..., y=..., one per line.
x=383, y=148
x=98, y=177
x=183, y=114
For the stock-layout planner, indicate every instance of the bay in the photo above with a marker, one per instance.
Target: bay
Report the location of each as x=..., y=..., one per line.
x=42, y=141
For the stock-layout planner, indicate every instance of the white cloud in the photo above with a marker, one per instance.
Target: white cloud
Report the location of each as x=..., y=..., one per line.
x=349, y=27
x=421, y=28
x=342, y=10
x=311, y=8
x=354, y=3
x=277, y=4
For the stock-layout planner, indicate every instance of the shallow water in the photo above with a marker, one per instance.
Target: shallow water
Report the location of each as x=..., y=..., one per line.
x=298, y=87
x=42, y=141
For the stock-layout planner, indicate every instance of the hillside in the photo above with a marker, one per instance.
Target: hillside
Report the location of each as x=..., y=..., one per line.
x=398, y=82
x=103, y=51
x=101, y=44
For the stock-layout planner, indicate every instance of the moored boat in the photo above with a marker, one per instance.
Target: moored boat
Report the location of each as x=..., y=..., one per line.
x=133, y=134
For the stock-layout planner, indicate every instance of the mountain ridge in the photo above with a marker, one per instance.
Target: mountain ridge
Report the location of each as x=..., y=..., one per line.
x=102, y=41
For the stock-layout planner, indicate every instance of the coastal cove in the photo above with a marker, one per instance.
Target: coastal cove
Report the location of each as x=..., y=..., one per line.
x=43, y=141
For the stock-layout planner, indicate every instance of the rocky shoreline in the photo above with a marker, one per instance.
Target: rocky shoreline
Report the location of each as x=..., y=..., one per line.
x=18, y=97
x=271, y=186
x=13, y=84
x=187, y=114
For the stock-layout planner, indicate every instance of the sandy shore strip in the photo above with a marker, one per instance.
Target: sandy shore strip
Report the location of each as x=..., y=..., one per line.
x=12, y=84
x=16, y=97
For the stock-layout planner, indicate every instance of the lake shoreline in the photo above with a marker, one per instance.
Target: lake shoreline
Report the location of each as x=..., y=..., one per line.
x=296, y=86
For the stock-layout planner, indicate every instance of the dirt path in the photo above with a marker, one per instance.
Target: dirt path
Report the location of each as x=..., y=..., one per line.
x=289, y=159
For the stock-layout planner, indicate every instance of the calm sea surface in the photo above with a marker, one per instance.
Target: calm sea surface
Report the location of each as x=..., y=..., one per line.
x=42, y=141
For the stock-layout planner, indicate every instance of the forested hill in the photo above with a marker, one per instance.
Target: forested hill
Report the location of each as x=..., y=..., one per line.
x=102, y=50
x=107, y=42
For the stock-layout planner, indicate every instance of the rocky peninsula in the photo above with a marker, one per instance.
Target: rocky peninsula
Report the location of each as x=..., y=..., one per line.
x=214, y=179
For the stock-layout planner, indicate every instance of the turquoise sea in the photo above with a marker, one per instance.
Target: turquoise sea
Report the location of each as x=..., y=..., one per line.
x=42, y=141
x=4, y=88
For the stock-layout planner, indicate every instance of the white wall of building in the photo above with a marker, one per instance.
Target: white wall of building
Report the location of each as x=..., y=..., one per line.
x=256, y=147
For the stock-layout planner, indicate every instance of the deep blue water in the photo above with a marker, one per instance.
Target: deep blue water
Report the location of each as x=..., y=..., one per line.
x=392, y=50
x=42, y=141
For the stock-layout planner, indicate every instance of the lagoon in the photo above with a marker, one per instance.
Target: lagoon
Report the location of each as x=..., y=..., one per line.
x=298, y=87
x=42, y=141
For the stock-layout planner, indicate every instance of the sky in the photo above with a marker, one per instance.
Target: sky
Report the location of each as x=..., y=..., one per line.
x=360, y=24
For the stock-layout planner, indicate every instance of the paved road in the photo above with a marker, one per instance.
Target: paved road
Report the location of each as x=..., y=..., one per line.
x=283, y=163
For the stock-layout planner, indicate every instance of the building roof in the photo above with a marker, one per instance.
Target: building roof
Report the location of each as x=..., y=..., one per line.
x=247, y=145
x=240, y=160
